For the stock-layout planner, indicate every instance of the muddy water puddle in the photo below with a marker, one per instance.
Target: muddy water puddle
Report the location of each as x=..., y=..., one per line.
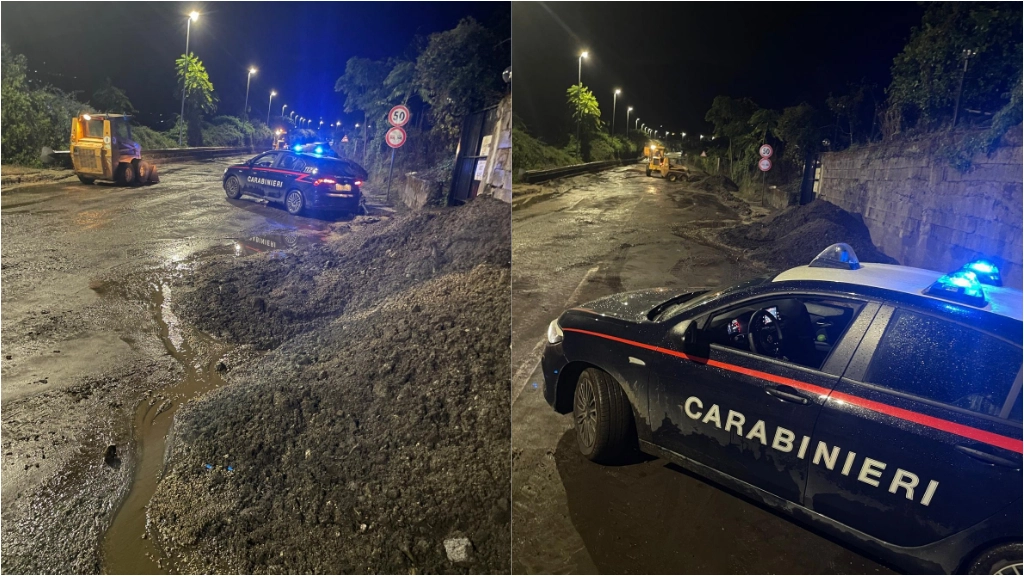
x=127, y=547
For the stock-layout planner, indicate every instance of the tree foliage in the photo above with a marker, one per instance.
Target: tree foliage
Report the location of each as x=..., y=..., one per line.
x=584, y=110
x=110, y=98
x=199, y=95
x=926, y=75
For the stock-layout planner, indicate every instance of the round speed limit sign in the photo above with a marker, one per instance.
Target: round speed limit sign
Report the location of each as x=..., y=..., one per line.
x=399, y=116
x=395, y=137
x=766, y=151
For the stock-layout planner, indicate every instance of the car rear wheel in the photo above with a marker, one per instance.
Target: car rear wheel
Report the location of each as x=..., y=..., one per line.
x=294, y=202
x=233, y=188
x=602, y=417
x=1003, y=559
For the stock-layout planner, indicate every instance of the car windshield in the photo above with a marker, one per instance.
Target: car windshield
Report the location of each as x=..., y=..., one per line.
x=704, y=297
x=341, y=167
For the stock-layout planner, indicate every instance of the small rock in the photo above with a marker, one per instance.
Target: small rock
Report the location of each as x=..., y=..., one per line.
x=458, y=549
x=221, y=366
x=8, y=356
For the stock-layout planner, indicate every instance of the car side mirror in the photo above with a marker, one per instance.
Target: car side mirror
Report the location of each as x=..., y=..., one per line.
x=692, y=339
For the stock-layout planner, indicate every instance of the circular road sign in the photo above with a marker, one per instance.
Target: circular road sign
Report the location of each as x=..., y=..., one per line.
x=395, y=137
x=764, y=164
x=399, y=116
x=765, y=151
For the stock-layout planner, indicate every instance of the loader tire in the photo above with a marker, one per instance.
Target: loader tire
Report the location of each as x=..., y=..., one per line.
x=86, y=179
x=125, y=174
x=648, y=172
x=142, y=171
x=673, y=177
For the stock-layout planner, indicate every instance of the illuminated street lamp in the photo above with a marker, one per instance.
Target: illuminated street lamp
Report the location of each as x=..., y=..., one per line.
x=192, y=17
x=615, y=97
x=628, y=110
x=245, y=109
x=579, y=97
x=272, y=94
x=282, y=110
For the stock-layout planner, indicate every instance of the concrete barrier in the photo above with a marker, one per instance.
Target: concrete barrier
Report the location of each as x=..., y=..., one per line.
x=535, y=176
x=196, y=153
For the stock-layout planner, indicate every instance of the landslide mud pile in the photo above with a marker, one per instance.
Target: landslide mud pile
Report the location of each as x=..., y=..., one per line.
x=375, y=433
x=794, y=236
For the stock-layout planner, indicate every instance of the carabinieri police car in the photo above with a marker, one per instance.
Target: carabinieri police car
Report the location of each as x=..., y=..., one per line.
x=299, y=180
x=879, y=403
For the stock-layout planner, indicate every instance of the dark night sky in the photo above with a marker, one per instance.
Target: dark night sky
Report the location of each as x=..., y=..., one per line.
x=299, y=48
x=672, y=59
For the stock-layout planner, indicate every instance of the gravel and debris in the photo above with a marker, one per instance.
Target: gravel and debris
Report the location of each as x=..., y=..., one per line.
x=794, y=236
x=375, y=429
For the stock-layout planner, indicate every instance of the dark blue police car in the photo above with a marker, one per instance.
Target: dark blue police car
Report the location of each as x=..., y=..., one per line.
x=879, y=403
x=298, y=180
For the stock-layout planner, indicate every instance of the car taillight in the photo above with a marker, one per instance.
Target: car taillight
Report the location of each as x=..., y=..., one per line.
x=358, y=182
x=320, y=181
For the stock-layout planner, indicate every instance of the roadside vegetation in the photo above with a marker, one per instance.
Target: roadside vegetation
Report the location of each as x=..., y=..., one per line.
x=930, y=94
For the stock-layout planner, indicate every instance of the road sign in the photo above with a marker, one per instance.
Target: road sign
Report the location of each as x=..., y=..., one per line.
x=703, y=154
x=764, y=164
x=344, y=138
x=399, y=116
x=765, y=151
x=395, y=137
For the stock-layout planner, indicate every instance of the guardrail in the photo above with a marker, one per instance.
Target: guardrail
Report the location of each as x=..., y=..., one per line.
x=535, y=176
x=195, y=153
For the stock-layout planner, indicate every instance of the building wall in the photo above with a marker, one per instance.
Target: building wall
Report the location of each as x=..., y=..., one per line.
x=923, y=212
x=497, y=177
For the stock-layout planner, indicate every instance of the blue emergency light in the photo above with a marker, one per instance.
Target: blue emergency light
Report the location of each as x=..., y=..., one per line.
x=319, y=150
x=960, y=286
x=839, y=255
x=986, y=271
x=297, y=147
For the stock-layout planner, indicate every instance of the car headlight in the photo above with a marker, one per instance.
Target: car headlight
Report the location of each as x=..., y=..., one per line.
x=554, y=332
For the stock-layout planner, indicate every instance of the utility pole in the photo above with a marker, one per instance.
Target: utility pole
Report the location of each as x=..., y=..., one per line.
x=960, y=88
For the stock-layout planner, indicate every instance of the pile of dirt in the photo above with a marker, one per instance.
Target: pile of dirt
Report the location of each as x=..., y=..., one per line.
x=360, y=446
x=715, y=183
x=794, y=236
x=266, y=299
x=375, y=430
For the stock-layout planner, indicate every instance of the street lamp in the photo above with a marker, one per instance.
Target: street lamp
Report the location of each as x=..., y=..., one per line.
x=272, y=94
x=282, y=110
x=579, y=97
x=192, y=17
x=628, y=110
x=635, y=123
x=245, y=109
x=615, y=97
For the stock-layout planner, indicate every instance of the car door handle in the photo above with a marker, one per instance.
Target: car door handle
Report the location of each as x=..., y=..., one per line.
x=788, y=394
x=988, y=458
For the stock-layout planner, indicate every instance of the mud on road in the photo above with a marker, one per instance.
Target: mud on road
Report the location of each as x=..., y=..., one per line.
x=98, y=358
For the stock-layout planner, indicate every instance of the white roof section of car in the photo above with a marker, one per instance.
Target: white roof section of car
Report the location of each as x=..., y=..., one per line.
x=1001, y=300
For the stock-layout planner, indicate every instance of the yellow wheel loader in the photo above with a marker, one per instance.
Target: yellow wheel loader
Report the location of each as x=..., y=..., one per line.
x=102, y=149
x=659, y=162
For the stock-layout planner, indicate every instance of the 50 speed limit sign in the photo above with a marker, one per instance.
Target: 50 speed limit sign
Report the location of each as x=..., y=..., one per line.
x=766, y=151
x=395, y=137
x=399, y=116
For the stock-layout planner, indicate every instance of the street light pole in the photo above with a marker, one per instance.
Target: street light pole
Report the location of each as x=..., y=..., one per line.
x=245, y=109
x=579, y=98
x=628, y=110
x=184, y=81
x=282, y=111
x=615, y=97
x=269, y=104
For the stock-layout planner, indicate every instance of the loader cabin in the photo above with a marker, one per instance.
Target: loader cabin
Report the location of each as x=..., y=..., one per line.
x=102, y=148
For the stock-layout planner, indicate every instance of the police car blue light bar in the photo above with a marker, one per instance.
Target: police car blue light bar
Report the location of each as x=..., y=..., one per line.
x=986, y=271
x=319, y=150
x=839, y=255
x=960, y=286
x=297, y=147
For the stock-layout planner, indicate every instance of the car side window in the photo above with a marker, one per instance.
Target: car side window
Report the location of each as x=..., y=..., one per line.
x=290, y=162
x=264, y=161
x=945, y=362
x=798, y=329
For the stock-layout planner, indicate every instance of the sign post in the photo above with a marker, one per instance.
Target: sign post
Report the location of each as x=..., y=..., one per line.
x=764, y=165
x=395, y=137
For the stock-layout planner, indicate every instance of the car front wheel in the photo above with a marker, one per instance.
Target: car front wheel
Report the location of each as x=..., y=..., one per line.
x=602, y=417
x=232, y=188
x=1003, y=559
x=294, y=202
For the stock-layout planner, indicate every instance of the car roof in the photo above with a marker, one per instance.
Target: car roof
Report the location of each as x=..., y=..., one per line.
x=908, y=280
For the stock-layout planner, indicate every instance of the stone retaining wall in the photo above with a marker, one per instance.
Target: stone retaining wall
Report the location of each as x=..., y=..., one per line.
x=923, y=212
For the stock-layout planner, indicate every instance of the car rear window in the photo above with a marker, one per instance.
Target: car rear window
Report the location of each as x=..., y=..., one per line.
x=341, y=167
x=945, y=362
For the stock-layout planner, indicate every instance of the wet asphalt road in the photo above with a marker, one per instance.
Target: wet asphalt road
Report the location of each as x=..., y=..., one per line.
x=580, y=239
x=81, y=345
